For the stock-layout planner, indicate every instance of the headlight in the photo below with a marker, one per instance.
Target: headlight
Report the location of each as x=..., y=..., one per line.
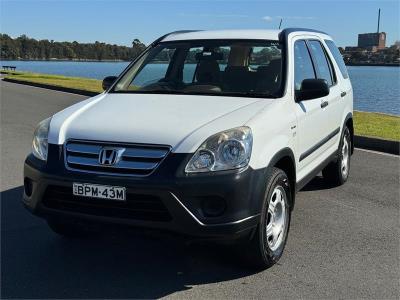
x=39, y=143
x=230, y=149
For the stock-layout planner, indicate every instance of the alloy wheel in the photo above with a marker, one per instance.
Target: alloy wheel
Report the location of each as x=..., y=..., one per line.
x=277, y=218
x=345, y=157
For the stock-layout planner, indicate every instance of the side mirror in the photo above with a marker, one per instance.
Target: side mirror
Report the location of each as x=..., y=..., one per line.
x=312, y=89
x=108, y=81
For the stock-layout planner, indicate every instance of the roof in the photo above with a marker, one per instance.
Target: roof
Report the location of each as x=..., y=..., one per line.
x=224, y=34
x=247, y=34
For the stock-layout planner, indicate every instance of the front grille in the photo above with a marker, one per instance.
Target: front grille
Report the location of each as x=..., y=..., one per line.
x=138, y=160
x=136, y=207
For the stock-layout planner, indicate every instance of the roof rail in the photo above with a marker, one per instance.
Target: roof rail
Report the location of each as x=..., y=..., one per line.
x=168, y=34
x=283, y=35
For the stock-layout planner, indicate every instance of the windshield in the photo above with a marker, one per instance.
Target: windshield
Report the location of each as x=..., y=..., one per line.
x=208, y=67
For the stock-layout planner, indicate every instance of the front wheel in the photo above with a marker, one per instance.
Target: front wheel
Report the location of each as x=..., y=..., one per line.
x=269, y=240
x=337, y=172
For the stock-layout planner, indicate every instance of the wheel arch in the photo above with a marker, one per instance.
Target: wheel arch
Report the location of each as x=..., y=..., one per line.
x=348, y=122
x=284, y=159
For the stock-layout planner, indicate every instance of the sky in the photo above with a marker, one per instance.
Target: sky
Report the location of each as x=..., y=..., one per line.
x=122, y=21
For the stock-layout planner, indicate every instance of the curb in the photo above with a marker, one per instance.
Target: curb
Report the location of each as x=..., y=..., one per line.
x=376, y=144
x=52, y=87
x=363, y=142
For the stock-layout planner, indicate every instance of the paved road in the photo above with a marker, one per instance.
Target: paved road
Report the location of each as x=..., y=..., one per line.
x=344, y=242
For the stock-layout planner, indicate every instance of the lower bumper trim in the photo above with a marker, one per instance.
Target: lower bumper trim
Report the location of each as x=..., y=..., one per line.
x=211, y=225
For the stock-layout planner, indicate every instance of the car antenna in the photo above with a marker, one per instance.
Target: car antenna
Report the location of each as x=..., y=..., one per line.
x=280, y=23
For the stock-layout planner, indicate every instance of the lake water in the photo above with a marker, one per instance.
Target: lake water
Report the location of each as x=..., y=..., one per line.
x=376, y=89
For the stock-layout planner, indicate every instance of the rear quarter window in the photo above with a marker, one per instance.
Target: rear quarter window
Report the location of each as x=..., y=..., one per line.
x=338, y=57
x=321, y=62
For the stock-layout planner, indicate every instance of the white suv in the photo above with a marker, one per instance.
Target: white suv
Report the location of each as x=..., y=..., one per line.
x=207, y=133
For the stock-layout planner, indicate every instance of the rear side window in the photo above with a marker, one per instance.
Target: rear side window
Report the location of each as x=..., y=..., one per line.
x=338, y=57
x=322, y=64
x=303, y=67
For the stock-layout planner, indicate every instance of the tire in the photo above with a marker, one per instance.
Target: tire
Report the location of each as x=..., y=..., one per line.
x=266, y=245
x=69, y=230
x=337, y=172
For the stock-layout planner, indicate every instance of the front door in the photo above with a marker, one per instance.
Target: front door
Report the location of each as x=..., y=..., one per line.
x=332, y=106
x=313, y=125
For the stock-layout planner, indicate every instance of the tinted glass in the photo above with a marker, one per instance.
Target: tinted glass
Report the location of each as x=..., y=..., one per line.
x=210, y=67
x=190, y=64
x=303, y=67
x=338, y=57
x=153, y=71
x=262, y=56
x=322, y=64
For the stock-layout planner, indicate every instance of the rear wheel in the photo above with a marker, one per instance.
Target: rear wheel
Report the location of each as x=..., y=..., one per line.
x=269, y=240
x=69, y=230
x=337, y=172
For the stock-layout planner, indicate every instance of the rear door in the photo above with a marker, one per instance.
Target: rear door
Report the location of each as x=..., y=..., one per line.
x=346, y=91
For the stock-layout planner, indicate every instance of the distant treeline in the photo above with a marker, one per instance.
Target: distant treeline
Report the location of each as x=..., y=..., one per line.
x=24, y=47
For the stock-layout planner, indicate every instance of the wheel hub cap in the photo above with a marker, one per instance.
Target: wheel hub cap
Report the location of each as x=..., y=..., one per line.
x=276, y=218
x=345, y=157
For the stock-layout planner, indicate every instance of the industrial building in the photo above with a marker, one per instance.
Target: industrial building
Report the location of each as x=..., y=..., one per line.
x=371, y=40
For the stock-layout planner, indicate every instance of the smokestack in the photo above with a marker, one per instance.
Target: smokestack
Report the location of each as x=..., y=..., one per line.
x=379, y=19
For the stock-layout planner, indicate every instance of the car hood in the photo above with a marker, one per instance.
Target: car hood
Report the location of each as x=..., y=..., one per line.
x=152, y=119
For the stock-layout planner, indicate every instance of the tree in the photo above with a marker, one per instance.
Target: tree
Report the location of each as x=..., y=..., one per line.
x=24, y=47
x=137, y=43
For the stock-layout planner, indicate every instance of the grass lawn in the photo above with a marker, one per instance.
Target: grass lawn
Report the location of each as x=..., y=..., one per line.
x=366, y=124
x=87, y=84
x=377, y=125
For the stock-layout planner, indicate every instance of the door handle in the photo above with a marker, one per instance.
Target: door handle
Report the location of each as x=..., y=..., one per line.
x=343, y=94
x=324, y=104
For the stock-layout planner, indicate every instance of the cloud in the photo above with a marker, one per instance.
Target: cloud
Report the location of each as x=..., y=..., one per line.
x=268, y=18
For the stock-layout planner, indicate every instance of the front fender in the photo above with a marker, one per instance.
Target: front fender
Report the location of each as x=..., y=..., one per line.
x=268, y=154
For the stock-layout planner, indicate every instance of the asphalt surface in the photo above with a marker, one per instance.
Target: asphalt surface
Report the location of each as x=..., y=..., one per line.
x=343, y=242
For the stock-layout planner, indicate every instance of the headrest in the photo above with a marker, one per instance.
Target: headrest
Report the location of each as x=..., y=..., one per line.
x=208, y=55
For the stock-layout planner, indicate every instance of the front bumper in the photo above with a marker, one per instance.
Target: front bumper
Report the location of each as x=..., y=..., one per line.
x=175, y=201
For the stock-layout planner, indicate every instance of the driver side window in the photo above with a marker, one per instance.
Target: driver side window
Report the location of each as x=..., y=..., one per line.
x=303, y=66
x=154, y=71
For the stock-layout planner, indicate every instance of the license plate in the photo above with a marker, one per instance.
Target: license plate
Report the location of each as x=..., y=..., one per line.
x=99, y=191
